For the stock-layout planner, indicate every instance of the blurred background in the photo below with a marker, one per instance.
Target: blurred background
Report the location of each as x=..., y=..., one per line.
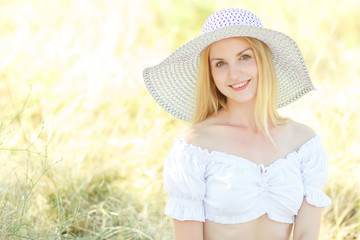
x=82, y=143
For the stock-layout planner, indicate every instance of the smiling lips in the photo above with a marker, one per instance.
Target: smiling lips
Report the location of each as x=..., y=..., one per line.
x=240, y=86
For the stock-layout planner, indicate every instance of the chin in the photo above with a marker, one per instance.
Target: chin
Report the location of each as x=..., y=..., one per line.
x=242, y=100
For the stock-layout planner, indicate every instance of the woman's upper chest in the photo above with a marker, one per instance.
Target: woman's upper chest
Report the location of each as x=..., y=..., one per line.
x=255, y=148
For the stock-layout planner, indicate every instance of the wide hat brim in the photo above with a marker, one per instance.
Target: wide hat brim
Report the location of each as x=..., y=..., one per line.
x=172, y=83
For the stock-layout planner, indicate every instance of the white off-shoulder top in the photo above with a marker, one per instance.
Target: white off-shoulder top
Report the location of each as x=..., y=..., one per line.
x=229, y=189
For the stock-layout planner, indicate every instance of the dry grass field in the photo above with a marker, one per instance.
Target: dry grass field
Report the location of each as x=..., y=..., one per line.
x=82, y=143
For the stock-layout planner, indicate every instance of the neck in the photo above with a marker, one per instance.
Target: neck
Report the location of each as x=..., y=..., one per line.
x=240, y=114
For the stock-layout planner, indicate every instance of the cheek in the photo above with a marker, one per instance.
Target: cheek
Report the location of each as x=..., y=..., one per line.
x=255, y=69
x=218, y=81
x=218, y=76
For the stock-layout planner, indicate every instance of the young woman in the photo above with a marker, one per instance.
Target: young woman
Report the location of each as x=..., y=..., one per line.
x=241, y=171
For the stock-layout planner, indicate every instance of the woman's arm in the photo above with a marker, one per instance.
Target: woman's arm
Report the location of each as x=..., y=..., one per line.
x=188, y=230
x=307, y=223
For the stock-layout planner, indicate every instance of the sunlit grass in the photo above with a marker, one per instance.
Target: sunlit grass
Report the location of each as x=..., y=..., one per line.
x=82, y=143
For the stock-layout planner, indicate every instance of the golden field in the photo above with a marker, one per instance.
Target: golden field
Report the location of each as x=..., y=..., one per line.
x=82, y=143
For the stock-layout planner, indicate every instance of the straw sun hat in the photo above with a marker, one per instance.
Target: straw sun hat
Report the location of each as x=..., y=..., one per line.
x=172, y=82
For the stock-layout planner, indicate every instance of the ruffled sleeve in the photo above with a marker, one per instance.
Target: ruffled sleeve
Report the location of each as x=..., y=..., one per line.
x=314, y=172
x=185, y=183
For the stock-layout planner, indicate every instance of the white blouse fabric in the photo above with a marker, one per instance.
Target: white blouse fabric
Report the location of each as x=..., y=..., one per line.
x=229, y=189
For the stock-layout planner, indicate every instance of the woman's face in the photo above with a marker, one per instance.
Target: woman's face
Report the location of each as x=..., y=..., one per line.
x=234, y=69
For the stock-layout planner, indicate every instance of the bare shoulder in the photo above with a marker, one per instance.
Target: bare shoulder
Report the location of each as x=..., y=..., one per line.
x=294, y=135
x=197, y=134
x=301, y=131
x=190, y=135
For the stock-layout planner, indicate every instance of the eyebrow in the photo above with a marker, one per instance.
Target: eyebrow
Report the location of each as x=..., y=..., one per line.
x=214, y=59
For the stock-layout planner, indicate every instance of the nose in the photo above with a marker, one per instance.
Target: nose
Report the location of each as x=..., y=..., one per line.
x=234, y=71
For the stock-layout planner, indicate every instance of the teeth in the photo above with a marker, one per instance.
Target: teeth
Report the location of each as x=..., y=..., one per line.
x=240, y=84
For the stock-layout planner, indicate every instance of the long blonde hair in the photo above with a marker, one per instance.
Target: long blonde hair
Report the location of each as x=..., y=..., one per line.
x=209, y=100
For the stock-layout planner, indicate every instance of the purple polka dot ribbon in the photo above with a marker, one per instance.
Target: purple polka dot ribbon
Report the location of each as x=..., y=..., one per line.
x=230, y=17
